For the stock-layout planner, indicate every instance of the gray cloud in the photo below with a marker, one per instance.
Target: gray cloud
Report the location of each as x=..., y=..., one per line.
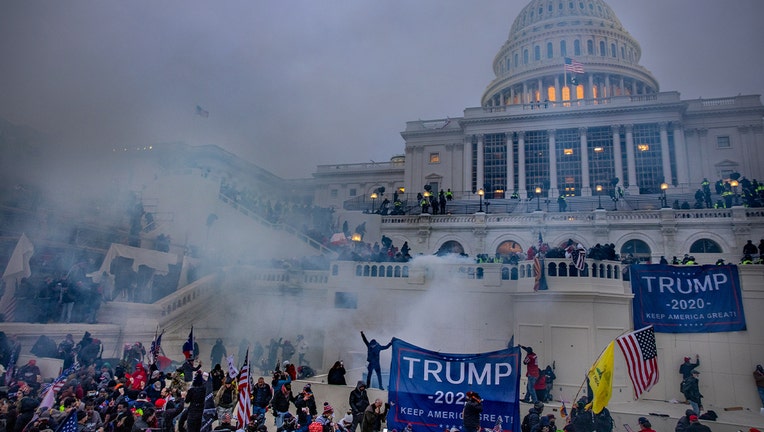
x=293, y=84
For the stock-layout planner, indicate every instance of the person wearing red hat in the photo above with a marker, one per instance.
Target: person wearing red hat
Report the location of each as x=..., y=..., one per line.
x=686, y=368
x=696, y=425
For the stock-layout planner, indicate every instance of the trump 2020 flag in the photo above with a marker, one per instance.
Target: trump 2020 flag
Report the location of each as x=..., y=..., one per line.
x=427, y=389
x=601, y=378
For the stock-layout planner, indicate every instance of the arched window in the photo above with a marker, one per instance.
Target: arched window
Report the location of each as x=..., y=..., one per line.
x=516, y=60
x=549, y=50
x=508, y=248
x=525, y=56
x=705, y=246
x=603, y=51
x=577, y=47
x=563, y=49
x=537, y=53
x=450, y=247
x=590, y=47
x=613, y=52
x=637, y=248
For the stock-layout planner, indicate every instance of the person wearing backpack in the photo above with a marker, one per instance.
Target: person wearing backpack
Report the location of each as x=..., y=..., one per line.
x=603, y=422
x=532, y=418
x=691, y=390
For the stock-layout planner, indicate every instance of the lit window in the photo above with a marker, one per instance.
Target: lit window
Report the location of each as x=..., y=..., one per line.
x=434, y=158
x=723, y=142
x=643, y=147
x=567, y=151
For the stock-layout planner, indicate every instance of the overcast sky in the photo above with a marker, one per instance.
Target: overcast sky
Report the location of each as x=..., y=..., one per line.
x=293, y=84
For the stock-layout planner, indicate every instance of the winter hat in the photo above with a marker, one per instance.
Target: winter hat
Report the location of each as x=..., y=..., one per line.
x=641, y=420
x=693, y=418
x=307, y=388
x=198, y=381
x=686, y=359
x=328, y=408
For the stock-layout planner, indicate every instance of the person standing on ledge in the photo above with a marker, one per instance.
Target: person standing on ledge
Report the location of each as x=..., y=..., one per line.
x=532, y=372
x=373, y=349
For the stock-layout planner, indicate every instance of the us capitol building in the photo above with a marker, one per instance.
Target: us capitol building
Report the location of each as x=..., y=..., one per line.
x=570, y=113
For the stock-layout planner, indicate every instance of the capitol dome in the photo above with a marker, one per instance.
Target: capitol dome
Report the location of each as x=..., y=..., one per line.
x=529, y=67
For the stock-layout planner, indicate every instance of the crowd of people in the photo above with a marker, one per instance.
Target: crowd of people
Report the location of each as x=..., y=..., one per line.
x=140, y=393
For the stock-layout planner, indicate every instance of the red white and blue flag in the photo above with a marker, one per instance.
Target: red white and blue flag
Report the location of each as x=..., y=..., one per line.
x=641, y=355
x=188, y=346
x=573, y=66
x=156, y=347
x=244, y=406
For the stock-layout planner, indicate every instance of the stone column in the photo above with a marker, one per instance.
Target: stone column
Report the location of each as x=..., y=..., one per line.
x=541, y=91
x=524, y=99
x=617, y=156
x=553, y=192
x=590, y=90
x=631, y=163
x=665, y=154
x=480, y=160
x=467, y=164
x=586, y=189
x=557, y=90
x=510, y=165
x=606, y=93
x=680, y=154
x=521, y=165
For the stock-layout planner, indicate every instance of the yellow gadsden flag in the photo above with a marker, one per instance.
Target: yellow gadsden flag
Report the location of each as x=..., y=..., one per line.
x=601, y=379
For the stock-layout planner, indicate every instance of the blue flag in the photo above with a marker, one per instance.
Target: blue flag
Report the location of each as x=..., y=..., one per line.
x=427, y=389
x=70, y=424
x=687, y=299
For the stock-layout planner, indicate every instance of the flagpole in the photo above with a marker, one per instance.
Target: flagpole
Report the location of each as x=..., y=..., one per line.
x=575, y=398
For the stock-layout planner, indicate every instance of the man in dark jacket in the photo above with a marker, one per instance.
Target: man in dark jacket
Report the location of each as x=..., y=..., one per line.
x=691, y=390
x=684, y=422
x=359, y=401
x=473, y=407
x=261, y=396
x=281, y=400
x=373, y=349
x=195, y=400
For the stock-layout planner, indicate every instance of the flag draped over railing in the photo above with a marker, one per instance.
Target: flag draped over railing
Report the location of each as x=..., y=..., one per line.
x=244, y=406
x=641, y=355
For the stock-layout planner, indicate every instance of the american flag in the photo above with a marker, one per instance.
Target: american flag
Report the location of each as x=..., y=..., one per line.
x=11, y=366
x=538, y=271
x=641, y=355
x=244, y=406
x=573, y=66
x=70, y=424
x=579, y=258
